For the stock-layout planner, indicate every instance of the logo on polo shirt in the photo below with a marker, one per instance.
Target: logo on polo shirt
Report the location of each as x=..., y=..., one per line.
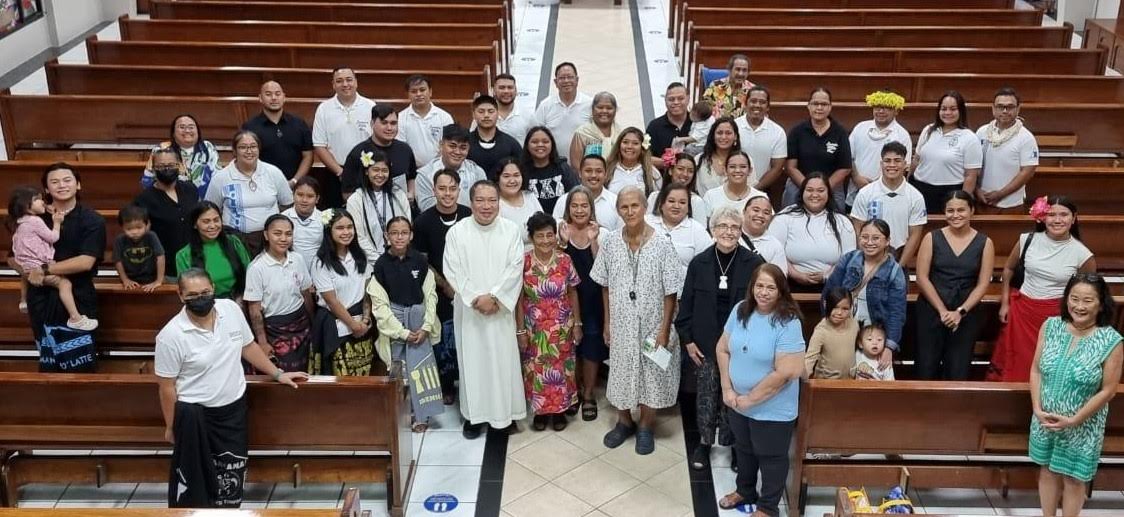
x=831, y=147
x=415, y=273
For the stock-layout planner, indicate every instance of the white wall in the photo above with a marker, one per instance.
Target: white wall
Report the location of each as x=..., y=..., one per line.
x=64, y=20
x=1108, y=8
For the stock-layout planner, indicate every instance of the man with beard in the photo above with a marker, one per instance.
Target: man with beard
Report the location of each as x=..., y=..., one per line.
x=286, y=140
x=671, y=125
x=511, y=119
x=729, y=94
x=762, y=139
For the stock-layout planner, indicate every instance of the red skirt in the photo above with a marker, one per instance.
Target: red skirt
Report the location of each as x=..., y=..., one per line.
x=1013, y=355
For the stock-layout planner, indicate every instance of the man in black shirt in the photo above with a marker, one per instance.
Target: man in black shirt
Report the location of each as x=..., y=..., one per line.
x=429, y=238
x=384, y=131
x=675, y=123
x=486, y=144
x=78, y=251
x=286, y=140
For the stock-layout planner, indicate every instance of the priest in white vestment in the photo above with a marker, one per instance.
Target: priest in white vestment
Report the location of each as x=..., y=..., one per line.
x=484, y=265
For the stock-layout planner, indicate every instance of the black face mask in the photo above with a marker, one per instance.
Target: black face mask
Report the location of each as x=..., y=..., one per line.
x=201, y=305
x=167, y=175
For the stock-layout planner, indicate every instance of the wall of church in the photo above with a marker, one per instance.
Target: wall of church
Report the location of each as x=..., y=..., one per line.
x=63, y=21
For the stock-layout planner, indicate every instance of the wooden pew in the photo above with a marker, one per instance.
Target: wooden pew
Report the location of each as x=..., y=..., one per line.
x=324, y=33
x=1101, y=233
x=1086, y=186
x=81, y=79
x=51, y=120
x=467, y=12
x=293, y=55
x=1079, y=127
x=367, y=414
x=928, y=87
x=956, y=419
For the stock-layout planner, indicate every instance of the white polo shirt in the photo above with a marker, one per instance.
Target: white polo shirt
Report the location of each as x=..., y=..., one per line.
x=900, y=208
x=563, y=120
x=763, y=144
x=339, y=127
x=247, y=201
x=866, y=150
x=423, y=133
x=604, y=206
x=943, y=158
x=808, y=241
x=516, y=123
x=770, y=249
x=423, y=184
x=716, y=198
x=349, y=288
x=689, y=237
x=623, y=177
x=307, y=235
x=277, y=285
x=1001, y=164
x=699, y=209
x=206, y=364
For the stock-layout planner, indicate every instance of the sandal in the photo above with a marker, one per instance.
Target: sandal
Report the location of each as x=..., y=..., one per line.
x=573, y=410
x=731, y=501
x=539, y=422
x=419, y=427
x=558, y=422
x=589, y=410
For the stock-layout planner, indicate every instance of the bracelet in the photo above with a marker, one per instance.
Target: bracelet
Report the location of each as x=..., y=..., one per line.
x=521, y=332
x=277, y=374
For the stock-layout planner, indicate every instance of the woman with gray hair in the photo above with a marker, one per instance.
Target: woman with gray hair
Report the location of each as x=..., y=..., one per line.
x=597, y=135
x=716, y=279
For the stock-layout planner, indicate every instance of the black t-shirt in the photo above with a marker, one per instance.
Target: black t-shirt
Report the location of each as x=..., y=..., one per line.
x=663, y=132
x=83, y=233
x=281, y=143
x=138, y=258
x=399, y=154
x=502, y=146
x=430, y=228
x=402, y=278
x=825, y=153
x=550, y=183
x=170, y=220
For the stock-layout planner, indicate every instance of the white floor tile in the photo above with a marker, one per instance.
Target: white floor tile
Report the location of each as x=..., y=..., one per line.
x=462, y=510
x=461, y=482
x=40, y=492
x=150, y=492
x=952, y=497
x=451, y=448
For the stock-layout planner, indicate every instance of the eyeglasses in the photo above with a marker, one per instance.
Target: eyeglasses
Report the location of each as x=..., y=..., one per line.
x=247, y=148
x=819, y=104
x=723, y=228
x=192, y=296
x=1006, y=107
x=186, y=128
x=398, y=233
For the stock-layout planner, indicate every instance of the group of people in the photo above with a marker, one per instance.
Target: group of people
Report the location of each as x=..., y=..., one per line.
x=502, y=265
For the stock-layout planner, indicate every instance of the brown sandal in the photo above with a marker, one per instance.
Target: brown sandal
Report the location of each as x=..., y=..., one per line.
x=730, y=501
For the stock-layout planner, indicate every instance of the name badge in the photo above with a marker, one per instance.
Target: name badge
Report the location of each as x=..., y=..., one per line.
x=236, y=337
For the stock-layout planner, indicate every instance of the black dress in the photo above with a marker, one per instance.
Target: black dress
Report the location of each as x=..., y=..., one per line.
x=591, y=347
x=954, y=277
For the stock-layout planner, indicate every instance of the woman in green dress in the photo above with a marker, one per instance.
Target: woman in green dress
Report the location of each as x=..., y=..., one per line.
x=1077, y=369
x=219, y=253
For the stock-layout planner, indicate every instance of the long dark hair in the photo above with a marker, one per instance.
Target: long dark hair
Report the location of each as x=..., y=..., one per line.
x=526, y=162
x=327, y=251
x=1107, y=308
x=19, y=204
x=198, y=147
x=1065, y=201
x=195, y=242
x=710, y=147
x=786, y=310
x=666, y=173
x=961, y=107
x=387, y=187
x=665, y=191
x=799, y=208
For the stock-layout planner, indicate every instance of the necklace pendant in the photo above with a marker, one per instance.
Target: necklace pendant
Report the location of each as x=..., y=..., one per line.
x=722, y=282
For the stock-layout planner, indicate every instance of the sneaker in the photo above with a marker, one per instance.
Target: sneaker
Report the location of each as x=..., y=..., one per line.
x=618, y=435
x=700, y=459
x=83, y=323
x=645, y=442
x=23, y=307
x=472, y=431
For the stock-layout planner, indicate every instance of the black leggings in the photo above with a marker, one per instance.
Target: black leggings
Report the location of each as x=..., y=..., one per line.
x=934, y=194
x=761, y=445
x=941, y=353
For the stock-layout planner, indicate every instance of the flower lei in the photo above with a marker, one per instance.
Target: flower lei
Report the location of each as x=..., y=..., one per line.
x=1039, y=209
x=367, y=158
x=326, y=216
x=885, y=99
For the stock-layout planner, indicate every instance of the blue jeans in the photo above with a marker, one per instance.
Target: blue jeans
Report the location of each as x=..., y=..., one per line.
x=445, y=353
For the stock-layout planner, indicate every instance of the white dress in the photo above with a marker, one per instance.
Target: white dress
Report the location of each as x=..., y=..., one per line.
x=481, y=260
x=648, y=277
x=520, y=214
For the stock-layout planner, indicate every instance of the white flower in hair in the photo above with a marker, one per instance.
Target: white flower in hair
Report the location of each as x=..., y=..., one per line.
x=647, y=143
x=326, y=216
x=367, y=158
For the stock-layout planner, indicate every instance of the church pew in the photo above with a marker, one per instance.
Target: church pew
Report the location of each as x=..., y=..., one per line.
x=928, y=87
x=1078, y=127
x=292, y=55
x=360, y=12
x=218, y=81
x=31, y=121
x=954, y=419
x=825, y=17
x=1100, y=233
x=367, y=414
x=324, y=33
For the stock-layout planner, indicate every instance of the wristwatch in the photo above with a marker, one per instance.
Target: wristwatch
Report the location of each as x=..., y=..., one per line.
x=46, y=269
x=963, y=312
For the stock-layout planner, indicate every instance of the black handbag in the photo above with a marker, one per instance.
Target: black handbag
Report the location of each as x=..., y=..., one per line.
x=1019, y=274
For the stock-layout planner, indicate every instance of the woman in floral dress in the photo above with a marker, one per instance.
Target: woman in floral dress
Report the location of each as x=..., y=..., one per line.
x=547, y=319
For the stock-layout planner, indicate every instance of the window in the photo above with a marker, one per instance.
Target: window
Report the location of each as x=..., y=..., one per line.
x=16, y=13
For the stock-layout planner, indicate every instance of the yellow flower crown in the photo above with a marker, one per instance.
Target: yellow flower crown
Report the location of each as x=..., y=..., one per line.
x=887, y=99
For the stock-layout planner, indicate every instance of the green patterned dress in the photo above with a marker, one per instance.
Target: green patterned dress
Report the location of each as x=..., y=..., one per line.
x=1069, y=379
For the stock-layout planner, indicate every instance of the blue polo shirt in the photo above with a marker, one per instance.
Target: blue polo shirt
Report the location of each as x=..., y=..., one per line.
x=753, y=347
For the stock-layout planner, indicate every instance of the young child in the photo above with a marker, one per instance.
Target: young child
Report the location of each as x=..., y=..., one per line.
x=137, y=251
x=701, y=120
x=872, y=340
x=830, y=352
x=307, y=228
x=33, y=246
